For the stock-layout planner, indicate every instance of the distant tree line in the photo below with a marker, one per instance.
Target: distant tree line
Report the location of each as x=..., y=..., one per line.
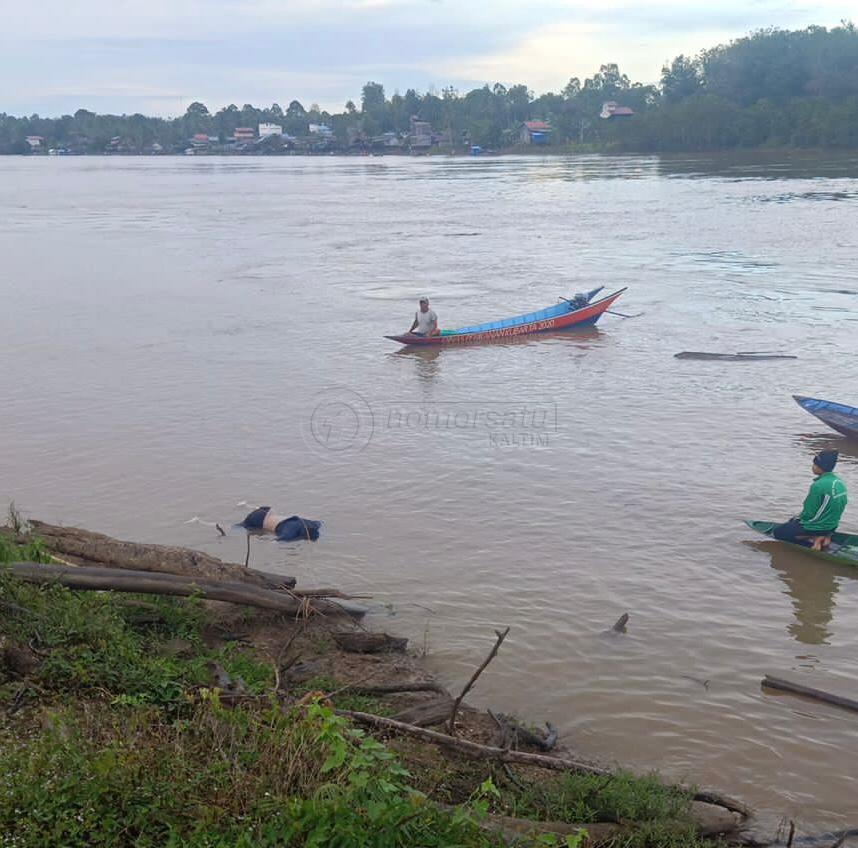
x=772, y=88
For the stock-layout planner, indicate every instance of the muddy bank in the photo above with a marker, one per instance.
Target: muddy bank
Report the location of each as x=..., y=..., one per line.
x=378, y=683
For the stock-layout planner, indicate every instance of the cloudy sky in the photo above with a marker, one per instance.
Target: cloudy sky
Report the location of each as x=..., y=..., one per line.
x=156, y=56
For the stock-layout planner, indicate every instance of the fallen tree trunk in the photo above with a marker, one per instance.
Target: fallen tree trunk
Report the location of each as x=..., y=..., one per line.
x=705, y=799
x=475, y=749
x=147, y=582
x=96, y=549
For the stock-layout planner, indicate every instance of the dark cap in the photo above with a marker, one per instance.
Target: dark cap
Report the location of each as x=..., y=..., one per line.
x=826, y=459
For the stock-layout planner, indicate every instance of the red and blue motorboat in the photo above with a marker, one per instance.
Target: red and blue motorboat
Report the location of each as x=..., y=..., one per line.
x=838, y=416
x=581, y=311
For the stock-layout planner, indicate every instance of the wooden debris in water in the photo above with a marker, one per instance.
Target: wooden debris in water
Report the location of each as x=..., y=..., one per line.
x=782, y=684
x=620, y=624
x=749, y=356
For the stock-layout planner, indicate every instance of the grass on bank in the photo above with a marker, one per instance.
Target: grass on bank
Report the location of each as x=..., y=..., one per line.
x=119, y=742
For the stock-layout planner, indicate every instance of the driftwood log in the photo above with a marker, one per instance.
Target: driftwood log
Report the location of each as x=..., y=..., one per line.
x=362, y=642
x=706, y=797
x=740, y=356
x=147, y=582
x=475, y=749
x=95, y=549
x=784, y=685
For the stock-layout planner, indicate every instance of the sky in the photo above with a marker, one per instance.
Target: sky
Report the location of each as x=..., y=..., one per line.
x=158, y=56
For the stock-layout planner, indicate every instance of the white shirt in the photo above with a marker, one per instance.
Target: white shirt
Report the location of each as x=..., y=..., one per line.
x=426, y=321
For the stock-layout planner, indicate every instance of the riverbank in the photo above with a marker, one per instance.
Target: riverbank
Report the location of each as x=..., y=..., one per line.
x=143, y=720
x=611, y=148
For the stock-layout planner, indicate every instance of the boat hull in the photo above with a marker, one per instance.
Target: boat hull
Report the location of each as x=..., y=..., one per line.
x=838, y=416
x=587, y=316
x=846, y=553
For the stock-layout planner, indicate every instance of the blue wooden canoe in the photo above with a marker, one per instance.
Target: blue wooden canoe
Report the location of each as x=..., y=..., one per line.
x=571, y=314
x=842, y=418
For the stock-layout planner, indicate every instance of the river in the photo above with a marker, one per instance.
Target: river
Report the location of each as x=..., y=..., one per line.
x=185, y=338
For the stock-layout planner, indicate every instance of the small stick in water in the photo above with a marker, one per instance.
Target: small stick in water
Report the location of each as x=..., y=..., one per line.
x=220, y=530
x=620, y=624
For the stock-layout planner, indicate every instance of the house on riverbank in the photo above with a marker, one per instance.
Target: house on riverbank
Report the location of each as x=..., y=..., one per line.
x=612, y=109
x=534, y=132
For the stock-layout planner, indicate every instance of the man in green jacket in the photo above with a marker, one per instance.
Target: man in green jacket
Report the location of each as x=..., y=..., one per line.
x=823, y=506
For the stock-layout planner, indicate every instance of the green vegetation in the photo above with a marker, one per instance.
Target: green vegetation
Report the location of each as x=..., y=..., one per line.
x=772, y=88
x=112, y=737
x=588, y=798
x=95, y=644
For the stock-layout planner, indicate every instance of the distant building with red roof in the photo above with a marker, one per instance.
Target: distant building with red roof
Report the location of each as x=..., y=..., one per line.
x=612, y=109
x=534, y=132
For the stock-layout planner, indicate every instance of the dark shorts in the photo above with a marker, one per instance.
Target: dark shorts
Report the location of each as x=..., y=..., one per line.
x=790, y=532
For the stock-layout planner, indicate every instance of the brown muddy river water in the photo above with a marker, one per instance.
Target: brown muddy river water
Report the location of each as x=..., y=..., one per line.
x=183, y=338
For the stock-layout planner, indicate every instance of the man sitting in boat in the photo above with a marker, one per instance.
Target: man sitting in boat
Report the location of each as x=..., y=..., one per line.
x=823, y=507
x=425, y=321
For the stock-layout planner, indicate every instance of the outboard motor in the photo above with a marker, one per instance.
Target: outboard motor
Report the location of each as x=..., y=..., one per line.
x=582, y=299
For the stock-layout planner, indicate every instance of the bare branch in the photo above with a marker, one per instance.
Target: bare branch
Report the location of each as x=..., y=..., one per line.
x=451, y=725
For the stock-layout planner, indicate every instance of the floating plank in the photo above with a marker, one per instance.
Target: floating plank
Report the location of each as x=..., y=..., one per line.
x=731, y=357
x=782, y=684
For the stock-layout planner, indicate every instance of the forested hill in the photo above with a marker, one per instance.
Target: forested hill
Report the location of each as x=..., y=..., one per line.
x=771, y=88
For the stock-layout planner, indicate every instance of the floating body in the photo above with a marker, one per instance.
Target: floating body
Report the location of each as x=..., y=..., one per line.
x=843, y=547
x=563, y=316
x=286, y=529
x=842, y=418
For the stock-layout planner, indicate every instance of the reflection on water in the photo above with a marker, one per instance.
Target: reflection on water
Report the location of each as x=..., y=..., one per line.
x=812, y=585
x=813, y=443
x=428, y=358
x=427, y=365
x=764, y=165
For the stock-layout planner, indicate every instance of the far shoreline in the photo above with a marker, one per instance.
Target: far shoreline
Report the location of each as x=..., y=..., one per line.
x=554, y=152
